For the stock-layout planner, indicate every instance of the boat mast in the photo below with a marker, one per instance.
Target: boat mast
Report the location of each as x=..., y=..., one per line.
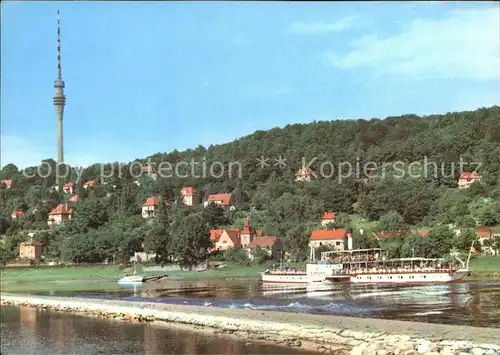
x=470, y=252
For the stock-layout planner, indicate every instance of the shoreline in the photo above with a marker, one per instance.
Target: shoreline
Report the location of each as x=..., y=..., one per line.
x=316, y=333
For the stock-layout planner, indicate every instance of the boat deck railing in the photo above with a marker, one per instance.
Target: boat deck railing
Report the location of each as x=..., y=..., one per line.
x=363, y=271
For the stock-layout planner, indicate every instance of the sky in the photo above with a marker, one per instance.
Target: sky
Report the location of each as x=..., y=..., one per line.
x=143, y=78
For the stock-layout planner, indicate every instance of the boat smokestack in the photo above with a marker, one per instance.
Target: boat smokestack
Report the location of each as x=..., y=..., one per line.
x=349, y=241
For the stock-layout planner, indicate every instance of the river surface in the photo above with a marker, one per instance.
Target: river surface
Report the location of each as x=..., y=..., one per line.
x=31, y=331
x=472, y=303
x=34, y=331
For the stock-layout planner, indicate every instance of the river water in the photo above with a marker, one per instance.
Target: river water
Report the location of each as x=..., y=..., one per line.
x=27, y=331
x=472, y=303
x=32, y=331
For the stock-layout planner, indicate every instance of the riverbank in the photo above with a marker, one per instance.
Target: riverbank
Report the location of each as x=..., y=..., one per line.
x=318, y=333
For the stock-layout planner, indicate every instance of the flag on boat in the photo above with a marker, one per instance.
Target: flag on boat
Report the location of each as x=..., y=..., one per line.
x=472, y=249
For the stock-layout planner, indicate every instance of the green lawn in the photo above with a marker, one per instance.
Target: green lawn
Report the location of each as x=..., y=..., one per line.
x=485, y=263
x=60, y=273
x=84, y=278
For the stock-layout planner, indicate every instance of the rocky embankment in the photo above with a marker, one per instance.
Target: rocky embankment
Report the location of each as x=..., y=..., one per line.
x=324, y=334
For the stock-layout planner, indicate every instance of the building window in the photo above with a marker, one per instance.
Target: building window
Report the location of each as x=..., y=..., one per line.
x=337, y=243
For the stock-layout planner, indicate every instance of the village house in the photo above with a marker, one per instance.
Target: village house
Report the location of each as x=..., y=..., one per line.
x=17, y=213
x=60, y=214
x=223, y=200
x=149, y=171
x=339, y=238
x=69, y=188
x=483, y=233
x=74, y=199
x=6, y=183
x=31, y=250
x=271, y=244
x=90, y=183
x=328, y=217
x=304, y=174
x=150, y=207
x=141, y=256
x=225, y=239
x=190, y=196
x=467, y=179
x=248, y=238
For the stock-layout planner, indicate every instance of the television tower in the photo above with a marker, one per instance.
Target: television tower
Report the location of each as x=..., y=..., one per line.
x=59, y=98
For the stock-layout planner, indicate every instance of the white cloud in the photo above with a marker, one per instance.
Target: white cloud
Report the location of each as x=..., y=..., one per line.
x=321, y=28
x=465, y=44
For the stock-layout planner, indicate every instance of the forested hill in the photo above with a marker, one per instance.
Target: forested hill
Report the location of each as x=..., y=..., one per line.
x=268, y=192
x=473, y=135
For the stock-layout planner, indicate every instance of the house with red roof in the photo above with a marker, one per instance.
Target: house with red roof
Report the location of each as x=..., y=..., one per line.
x=6, y=183
x=190, y=196
x=223, y=200
x=328, y=217
x=225, y=239
x=483, y=233
x=304, y=174
x=229, y=238
x=60, y=214
x=339, y=239
x=69, y=188
x=270, y=243
x=90, y=183
x=215, y=234
x=467, y=179
x=31, y=250
x=74, y=199
x=17, y=213
x=150, y=207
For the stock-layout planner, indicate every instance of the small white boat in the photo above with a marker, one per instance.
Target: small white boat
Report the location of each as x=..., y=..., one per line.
x=132, y=279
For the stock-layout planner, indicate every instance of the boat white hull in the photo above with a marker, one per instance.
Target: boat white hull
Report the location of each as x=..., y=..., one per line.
x=403, y=278
x=285, y=279
x=131, y=280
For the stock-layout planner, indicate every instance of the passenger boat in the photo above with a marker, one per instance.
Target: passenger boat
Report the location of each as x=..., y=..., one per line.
x=366, y=266
x=285, y=276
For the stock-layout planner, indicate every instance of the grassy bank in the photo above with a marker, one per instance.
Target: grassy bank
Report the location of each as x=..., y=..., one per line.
x=103, y=277
x=485, y=268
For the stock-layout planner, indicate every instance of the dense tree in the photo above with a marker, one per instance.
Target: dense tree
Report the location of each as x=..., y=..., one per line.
x=214, y=216
x=190, y=241
x=158, y=238
x=392, y=221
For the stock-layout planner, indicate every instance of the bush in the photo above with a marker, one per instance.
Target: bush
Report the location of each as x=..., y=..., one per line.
x=260, y=256
x=236, y=255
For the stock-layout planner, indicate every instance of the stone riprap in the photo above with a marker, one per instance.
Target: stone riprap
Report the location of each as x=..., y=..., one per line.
x=321, y=333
